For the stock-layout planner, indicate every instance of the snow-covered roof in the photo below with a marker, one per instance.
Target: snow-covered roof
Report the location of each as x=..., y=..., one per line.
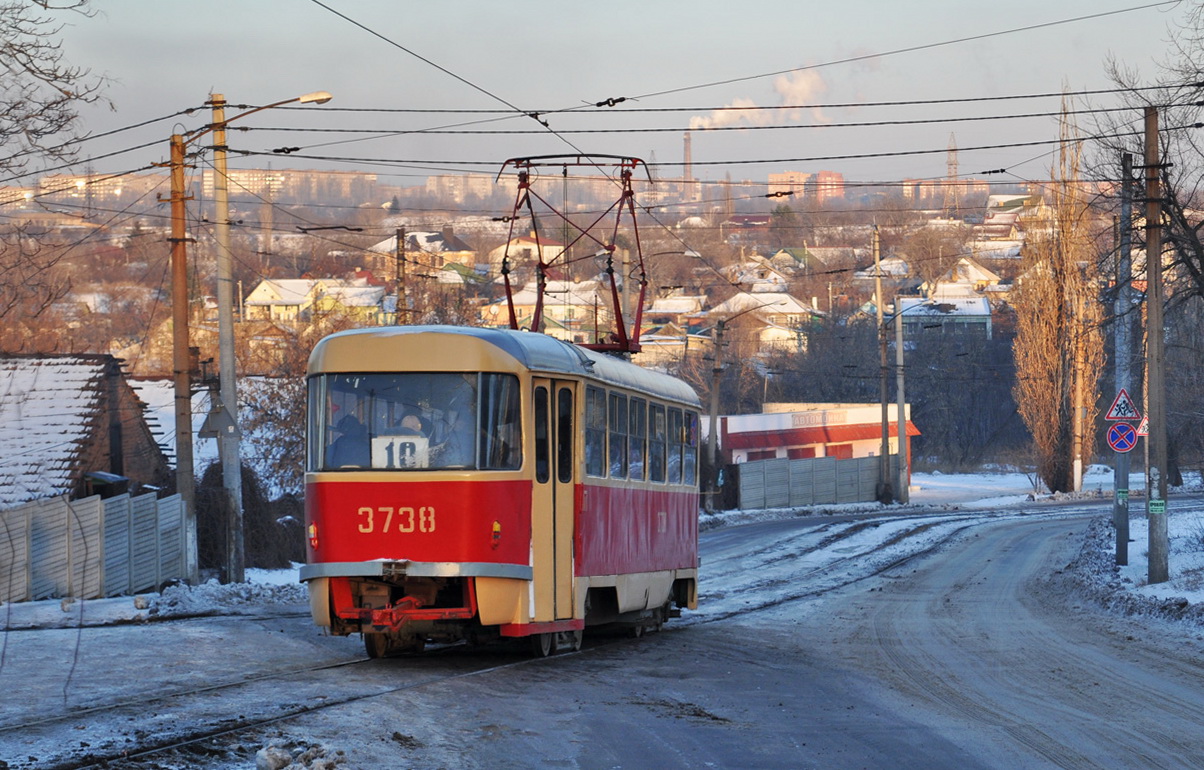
x=429, y=242
x=762, y=303
x=356, y=296
x=282, y=291
x=48, y=408
x=677, y=304
x=946, y=307
x=892, y=266
x=584, y=293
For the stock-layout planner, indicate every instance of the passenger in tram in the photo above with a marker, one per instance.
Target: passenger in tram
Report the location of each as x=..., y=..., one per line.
x=350, y=449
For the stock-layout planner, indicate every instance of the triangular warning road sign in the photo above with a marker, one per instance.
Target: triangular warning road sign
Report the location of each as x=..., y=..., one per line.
x=1144, y=428
x=1123, y=408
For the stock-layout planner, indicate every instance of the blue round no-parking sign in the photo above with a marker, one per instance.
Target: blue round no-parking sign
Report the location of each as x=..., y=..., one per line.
x=1122, y=437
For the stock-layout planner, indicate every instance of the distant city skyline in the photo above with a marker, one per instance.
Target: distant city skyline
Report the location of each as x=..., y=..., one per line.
x=707, y=62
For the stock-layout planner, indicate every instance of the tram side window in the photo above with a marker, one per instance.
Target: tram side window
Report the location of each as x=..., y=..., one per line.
x=689, y=461
x=636, y=437
x=674, y=446
x=656, y=443
x=595, y=431
x=315, y=443
x=542, y=438
x=618, y=436
x=501, y=437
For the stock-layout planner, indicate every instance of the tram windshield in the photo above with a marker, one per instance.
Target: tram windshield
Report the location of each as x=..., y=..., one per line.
x=421, y=421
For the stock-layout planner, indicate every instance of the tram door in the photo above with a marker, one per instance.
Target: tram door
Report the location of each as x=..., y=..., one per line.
x=552, y=500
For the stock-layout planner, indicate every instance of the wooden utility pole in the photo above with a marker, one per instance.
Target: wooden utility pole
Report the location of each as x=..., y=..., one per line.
x=181, y=356
x=1159, y=546
x=403, y=302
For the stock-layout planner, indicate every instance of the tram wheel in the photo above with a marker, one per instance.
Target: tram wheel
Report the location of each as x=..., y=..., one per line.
x=575, y=638
x=543, y=645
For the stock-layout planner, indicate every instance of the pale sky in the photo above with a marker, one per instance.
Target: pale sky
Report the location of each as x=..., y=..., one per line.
x=167, y=55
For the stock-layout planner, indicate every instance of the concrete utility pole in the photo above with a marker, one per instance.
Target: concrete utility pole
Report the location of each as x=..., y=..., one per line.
x=713, y=431
x=1123, y=343
x=1159, y=546
x=884, y=486
x=228, y=431
x=902, y=490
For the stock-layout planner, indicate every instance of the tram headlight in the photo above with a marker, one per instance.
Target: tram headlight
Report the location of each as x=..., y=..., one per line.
x=313, y=536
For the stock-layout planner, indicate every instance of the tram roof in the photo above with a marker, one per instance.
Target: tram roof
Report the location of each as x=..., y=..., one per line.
x=541, y=353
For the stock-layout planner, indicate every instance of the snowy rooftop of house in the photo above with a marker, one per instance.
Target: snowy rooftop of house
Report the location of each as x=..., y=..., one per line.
x=677, y=304
x=947, y=306
x=559, y=293
x=892, y=266
x=46, y=406
x=356, y=296
x=429, y=242
x=765, y=302
x=285, y=291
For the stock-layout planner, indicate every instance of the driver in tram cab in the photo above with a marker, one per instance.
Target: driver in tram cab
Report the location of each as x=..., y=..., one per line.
x=412, y=424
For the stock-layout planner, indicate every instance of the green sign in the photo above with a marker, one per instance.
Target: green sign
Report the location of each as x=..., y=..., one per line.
x=1122, y=495
x=1157, y=506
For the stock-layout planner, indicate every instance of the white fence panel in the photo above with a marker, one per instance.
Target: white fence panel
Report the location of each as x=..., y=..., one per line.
x=90, y=548
x=49, y=549
x=117, y=545
x=144, y=545
x=14, y=554
x=777, y=483
x=171, y=539
x=781, y=483
x=86, y=571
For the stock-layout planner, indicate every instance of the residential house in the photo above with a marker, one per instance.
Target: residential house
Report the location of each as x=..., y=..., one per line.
x=757, y=275
x=578, y=311
x=966, y=278
x=797, y=261
x=780, y=318
x=674, y=308
x=524, y=250
x=891, y=267
x=424, y=250
x=72, y=425
x=962, y=315
x=298, y=300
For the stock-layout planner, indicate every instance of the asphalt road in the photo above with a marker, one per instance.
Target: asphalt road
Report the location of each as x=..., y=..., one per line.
x=970, y=657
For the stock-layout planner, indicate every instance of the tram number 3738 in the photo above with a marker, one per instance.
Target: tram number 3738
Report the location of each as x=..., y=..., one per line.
x=408, y=519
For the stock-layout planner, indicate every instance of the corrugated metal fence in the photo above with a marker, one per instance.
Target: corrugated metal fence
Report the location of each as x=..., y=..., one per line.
x=90, y=548
x=814, y=481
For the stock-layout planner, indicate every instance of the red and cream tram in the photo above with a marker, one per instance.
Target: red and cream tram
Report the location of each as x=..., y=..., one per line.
x=479, y=483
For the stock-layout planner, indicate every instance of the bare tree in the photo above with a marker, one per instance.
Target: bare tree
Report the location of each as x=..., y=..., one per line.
x=1059, y=345
x=39, y=90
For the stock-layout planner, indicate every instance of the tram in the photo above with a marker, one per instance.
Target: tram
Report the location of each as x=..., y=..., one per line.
x=477, y=484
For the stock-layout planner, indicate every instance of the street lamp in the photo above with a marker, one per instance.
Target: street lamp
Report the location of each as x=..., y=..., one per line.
x=228, y=436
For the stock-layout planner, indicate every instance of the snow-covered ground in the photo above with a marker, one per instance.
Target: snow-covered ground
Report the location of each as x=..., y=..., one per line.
x=985, y=494
x=940, y=504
